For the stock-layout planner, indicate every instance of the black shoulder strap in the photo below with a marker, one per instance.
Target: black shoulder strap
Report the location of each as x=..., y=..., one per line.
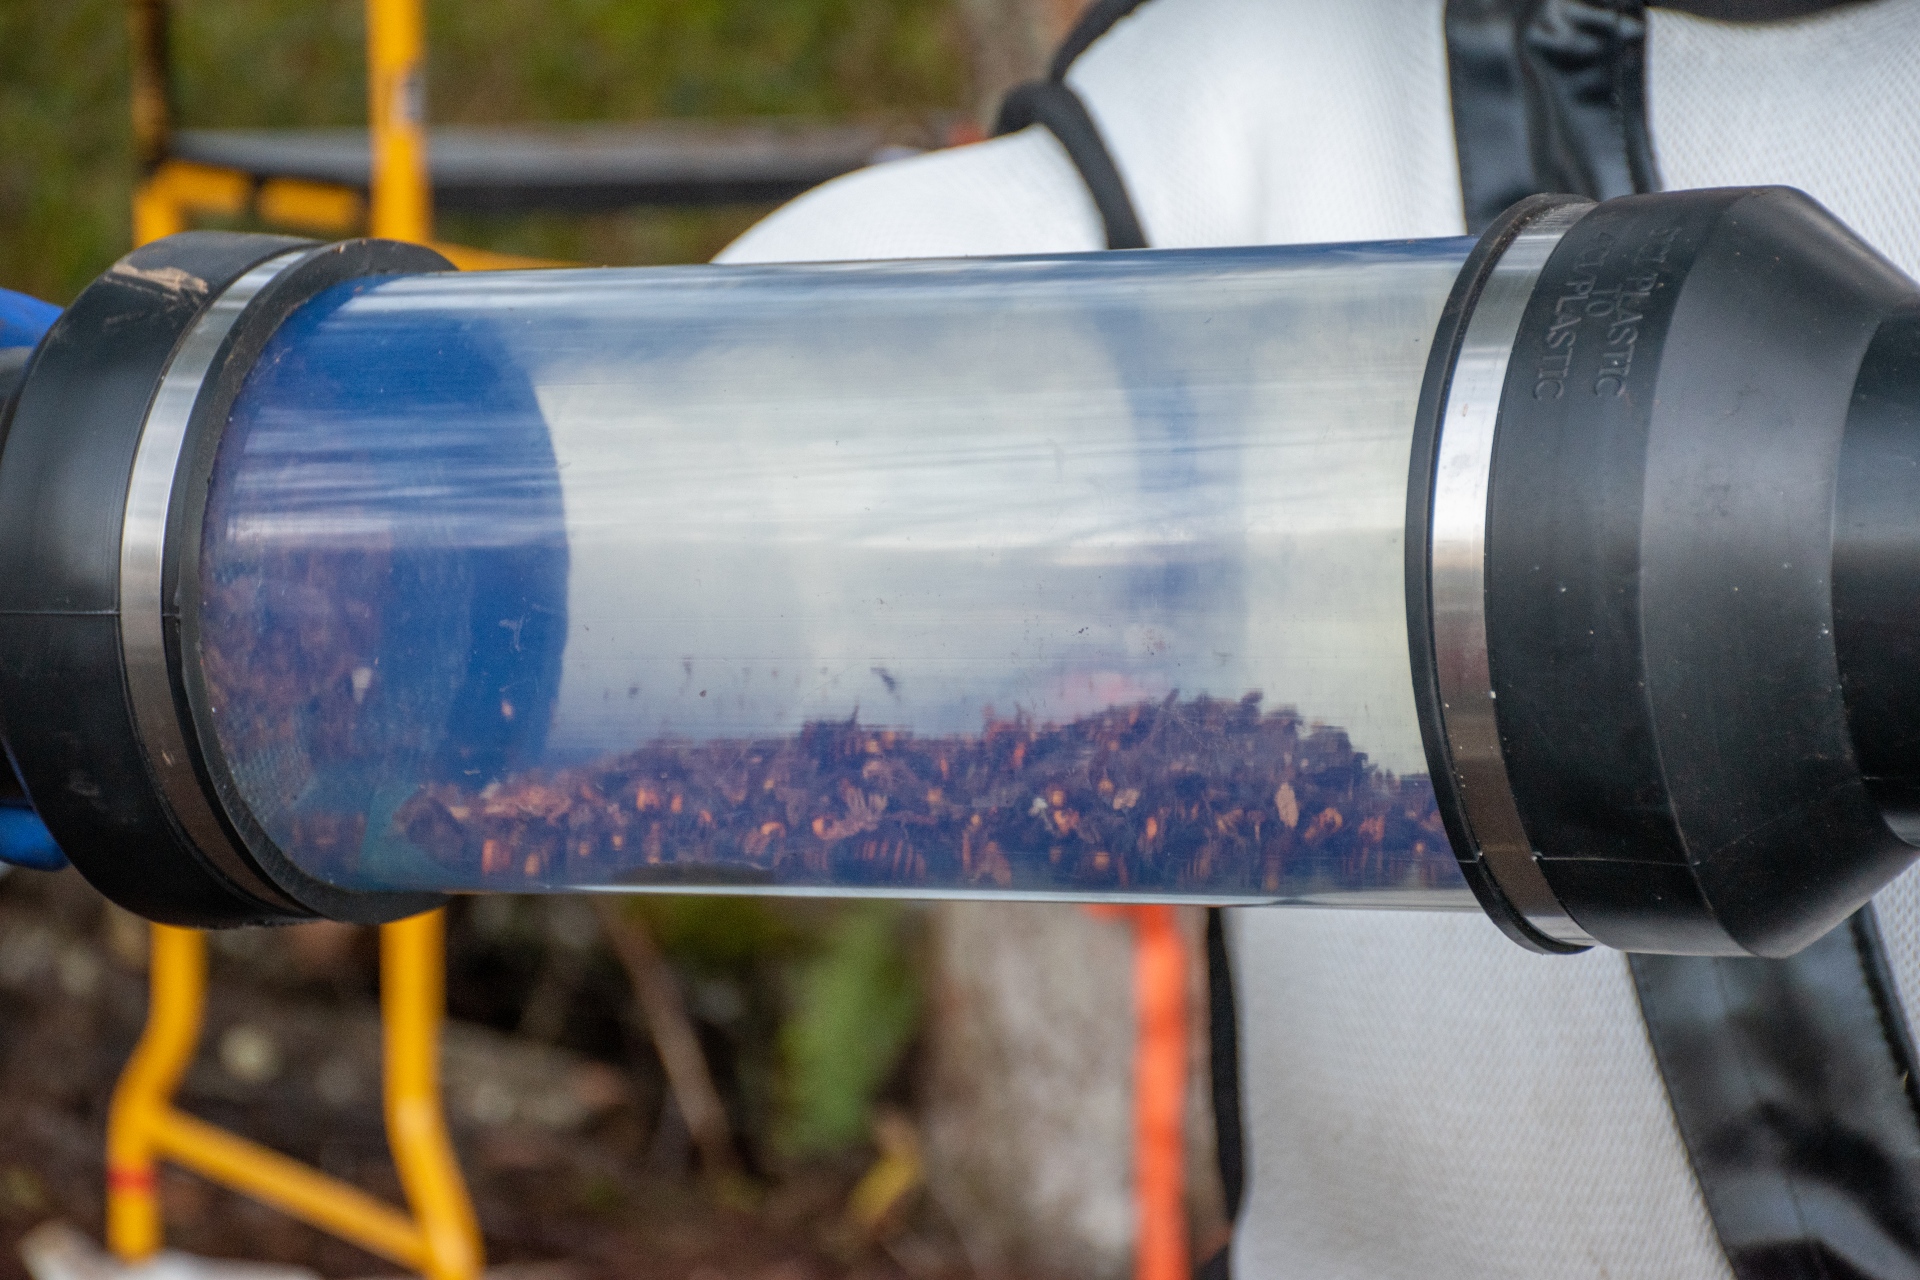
x=1551, y=95
x=1548, y=95
x=1224, y=1059
x=1097, y=19
x=1052, y=104
x=1792, y=1082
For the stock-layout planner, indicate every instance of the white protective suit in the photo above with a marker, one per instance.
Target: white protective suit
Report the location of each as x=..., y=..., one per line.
x=1421, y=1098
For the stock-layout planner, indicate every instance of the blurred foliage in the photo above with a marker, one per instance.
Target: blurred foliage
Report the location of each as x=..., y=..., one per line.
x=725, y=937
x=631, y=58
x=66, y=159
x=855, y=1008
x=819, y=1002
x=65, y=154
x=806, y=1009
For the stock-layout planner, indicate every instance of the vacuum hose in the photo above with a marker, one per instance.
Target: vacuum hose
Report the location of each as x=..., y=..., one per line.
x=1565, y=574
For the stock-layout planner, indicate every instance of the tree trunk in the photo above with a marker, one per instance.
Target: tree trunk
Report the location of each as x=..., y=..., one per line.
x=1029, y=1102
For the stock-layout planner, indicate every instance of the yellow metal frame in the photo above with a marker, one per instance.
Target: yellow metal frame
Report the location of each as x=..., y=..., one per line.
x=440, y=1238
x=178, y=191
x=174, y=192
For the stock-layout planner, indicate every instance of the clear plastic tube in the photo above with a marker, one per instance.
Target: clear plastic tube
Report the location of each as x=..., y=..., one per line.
x=1076, y=576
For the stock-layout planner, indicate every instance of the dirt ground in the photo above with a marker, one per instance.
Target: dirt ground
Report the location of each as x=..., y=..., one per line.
x=555, y=1098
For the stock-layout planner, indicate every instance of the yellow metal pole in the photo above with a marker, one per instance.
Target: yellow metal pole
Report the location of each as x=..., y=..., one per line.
x=397, y=115
x=413, y=951
x=177, y=980
x=412, y=1004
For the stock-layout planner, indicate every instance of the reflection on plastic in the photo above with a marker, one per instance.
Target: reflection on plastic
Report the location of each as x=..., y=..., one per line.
x=1072, y=576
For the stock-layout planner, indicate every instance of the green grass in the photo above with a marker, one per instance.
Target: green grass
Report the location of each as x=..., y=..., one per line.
x=66, y=166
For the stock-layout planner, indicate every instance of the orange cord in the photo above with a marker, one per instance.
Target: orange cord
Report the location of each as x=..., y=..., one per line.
x=1159, y=1090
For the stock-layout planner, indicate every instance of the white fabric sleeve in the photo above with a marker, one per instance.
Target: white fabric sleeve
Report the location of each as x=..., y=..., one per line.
x=1279, y=121
x=1232, y=122
x=1829, y=104
x=1018, y=194
x=1423, y=1100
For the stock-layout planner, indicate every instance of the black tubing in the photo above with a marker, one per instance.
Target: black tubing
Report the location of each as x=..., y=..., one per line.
x=1876, y=571
x=1660, y=605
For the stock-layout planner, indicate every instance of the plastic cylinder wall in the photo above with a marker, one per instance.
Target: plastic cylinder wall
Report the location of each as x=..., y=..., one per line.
x=1062, y=577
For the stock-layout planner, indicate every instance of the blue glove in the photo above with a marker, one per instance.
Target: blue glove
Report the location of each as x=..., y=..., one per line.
x=24, y=839
x=24, y=319
x=26, y=842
